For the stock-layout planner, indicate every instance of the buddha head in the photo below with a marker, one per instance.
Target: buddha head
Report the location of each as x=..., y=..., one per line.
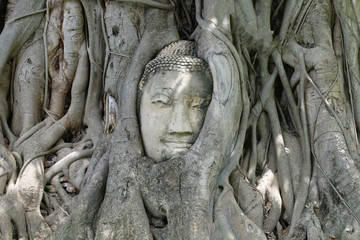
x=174, y=93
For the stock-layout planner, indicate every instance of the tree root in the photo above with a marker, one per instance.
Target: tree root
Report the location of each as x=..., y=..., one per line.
x=53, y=150
x=93, y=107
x=65, y=163
x=153, y=4
x=28, y=134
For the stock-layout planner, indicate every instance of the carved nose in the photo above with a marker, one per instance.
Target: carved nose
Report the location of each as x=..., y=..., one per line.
x=180, y=122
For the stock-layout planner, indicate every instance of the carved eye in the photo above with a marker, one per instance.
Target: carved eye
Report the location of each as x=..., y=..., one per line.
x=196, y=106
x=161, y=100
x=199, y=103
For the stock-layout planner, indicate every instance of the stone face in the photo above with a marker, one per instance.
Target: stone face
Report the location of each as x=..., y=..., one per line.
x=175, y=91
x=172, y=112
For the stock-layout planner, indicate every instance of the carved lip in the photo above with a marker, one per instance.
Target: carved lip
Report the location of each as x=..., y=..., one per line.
x=178, y=143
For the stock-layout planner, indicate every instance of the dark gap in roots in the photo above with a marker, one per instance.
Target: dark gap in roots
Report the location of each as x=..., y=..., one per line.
x=115, y=30
x=14, y=230
x=56, y=63
x=283, y=101
x=6, y=186
x=157, y=222
x=348, y=90
x=185, y=17
x=3, y=5
x=277, y=13
x=44, y=209
x=247, y=144
x=68, y=101
x=284, y=222
x=278, y=89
